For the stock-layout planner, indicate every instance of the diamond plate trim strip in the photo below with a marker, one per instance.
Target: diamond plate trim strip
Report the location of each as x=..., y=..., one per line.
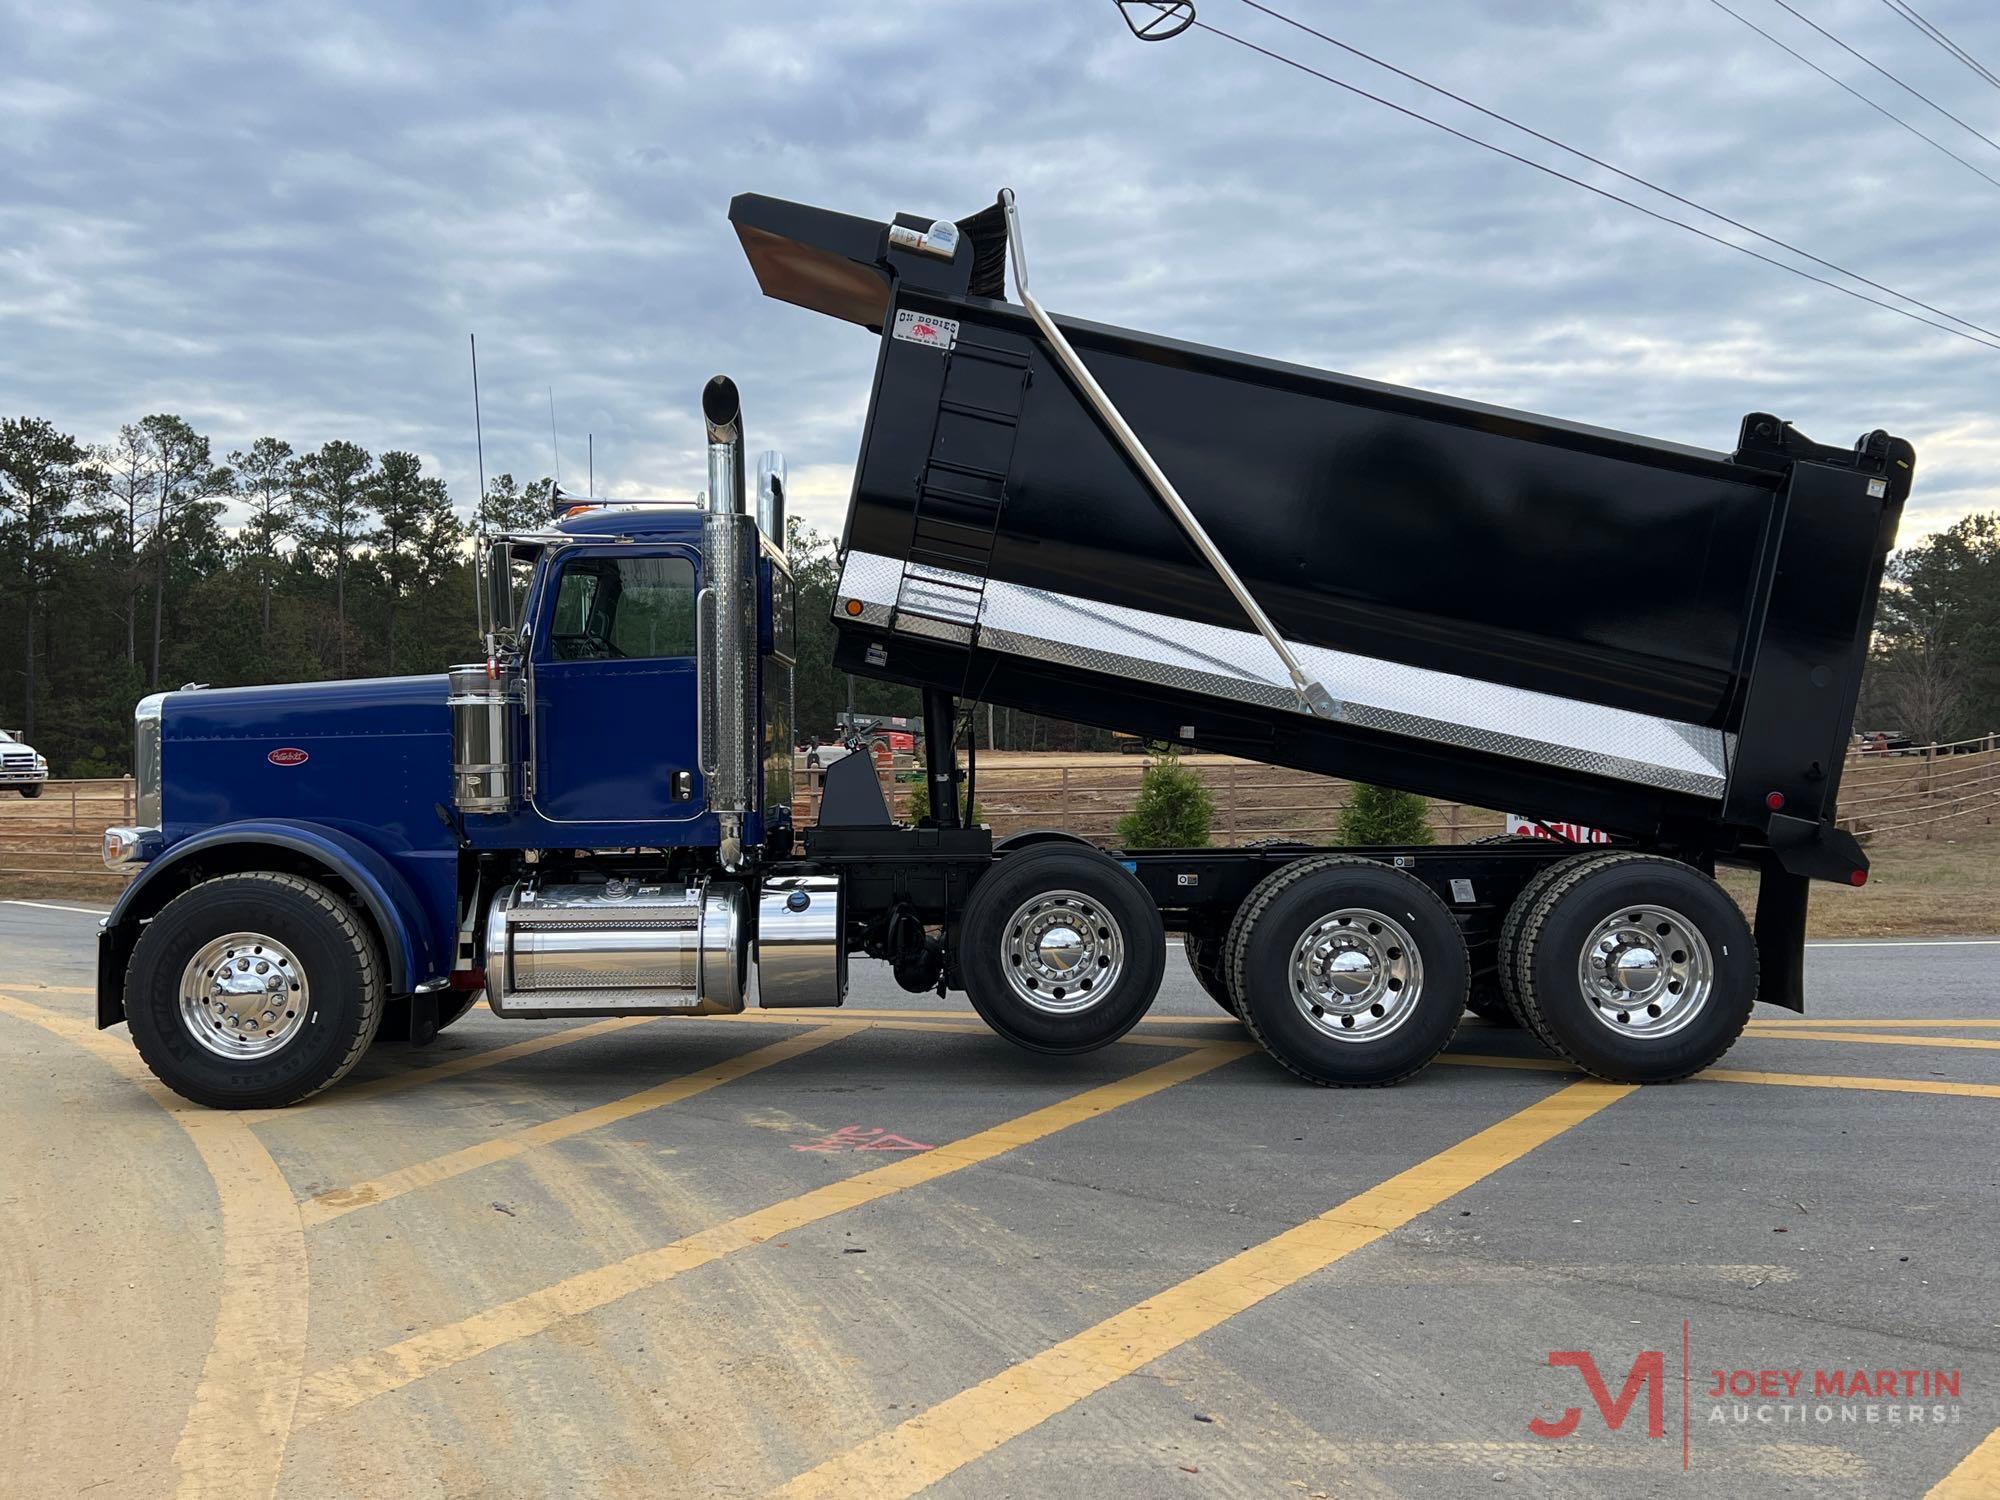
x=1388, y=697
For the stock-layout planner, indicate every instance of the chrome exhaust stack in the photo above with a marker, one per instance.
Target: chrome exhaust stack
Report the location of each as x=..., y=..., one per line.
x=726, y=625
x=722, y=412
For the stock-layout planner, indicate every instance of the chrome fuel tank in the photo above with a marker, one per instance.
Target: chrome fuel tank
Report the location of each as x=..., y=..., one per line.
x=616, y=947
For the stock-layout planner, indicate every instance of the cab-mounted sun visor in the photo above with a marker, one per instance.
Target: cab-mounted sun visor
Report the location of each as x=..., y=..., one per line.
x=843, y=266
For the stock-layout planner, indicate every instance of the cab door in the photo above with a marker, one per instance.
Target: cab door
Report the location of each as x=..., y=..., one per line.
x=614, y=717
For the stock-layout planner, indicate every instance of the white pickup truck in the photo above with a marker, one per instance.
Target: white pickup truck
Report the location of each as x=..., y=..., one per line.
x=21, y=767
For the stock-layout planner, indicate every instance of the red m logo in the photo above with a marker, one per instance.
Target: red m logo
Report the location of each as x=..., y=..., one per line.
x=1649, y=1370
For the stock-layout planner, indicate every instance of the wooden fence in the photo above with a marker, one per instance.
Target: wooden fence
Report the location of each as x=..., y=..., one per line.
x=1920, y=793
x=61, y=832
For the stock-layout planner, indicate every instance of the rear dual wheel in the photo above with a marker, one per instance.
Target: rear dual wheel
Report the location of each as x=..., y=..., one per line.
x=1636, y=968
x=1349, y=972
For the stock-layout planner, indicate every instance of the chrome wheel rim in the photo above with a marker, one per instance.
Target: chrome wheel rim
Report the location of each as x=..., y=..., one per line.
x=243, y=996
x=1356, y=974
x=1646, y=970
x=1062, y=952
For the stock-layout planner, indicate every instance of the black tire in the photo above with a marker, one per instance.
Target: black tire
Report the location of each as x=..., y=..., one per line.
x=1028, y=838
x=1639, y=1039
x=988, y=932
x=1279, y=913
x=333, y=951
x=1506, y=966
x=1487, y=999
x=1204, y=956
x=35, y=789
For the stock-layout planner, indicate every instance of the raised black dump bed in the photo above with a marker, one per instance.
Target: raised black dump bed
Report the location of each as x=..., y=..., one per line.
x=1479, y=604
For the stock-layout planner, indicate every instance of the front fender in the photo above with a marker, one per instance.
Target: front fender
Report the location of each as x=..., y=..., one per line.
x=390, y=902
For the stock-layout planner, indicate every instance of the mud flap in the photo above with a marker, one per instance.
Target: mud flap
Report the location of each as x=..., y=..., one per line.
x=1781, y=937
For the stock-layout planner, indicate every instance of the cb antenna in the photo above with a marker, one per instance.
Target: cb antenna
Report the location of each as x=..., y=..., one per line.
x=590, y=449
x=479, y=521
x=553, y=445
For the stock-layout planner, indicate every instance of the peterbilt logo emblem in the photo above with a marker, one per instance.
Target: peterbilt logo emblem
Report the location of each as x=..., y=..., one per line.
x=291, y=755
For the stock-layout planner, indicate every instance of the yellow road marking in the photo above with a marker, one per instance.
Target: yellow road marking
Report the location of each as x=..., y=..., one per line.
x=348, y=1385
x=492, y=1057
x=332, y=1204
x=969, y=1014
x=967, y=1025
x=234, y=1438
x=1844, y=1081
x=1977, y=1476
x=1820, y=1023
x=1532, y=1064
x=1742, y=1075
x=1877, y=1039
x=934, y=1443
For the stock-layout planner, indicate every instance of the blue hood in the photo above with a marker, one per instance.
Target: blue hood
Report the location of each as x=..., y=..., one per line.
x=371, y=756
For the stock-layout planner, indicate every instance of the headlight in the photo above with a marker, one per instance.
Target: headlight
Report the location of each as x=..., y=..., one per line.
x=126, y=846
x=146, y=760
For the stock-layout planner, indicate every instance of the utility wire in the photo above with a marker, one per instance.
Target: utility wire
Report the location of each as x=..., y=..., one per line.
x=1843, y=83
x=1292, y=62
x=1550, y=140
x=1786, y=7
x=1909, y=13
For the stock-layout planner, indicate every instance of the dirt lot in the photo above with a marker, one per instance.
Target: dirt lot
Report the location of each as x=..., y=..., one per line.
x=1918, y=887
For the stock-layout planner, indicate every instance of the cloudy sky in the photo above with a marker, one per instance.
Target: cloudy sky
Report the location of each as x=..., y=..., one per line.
x=278, y=218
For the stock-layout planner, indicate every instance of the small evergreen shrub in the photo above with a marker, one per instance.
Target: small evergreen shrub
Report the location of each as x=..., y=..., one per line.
x=1376, y=815
x=1173, y=811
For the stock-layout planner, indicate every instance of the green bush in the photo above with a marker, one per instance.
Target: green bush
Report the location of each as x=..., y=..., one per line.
x=1173, y=810
x=1377, y=815
x=920, y=803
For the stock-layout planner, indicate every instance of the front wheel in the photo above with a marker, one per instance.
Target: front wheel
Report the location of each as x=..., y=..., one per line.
x=33, y=790
x=253, y=991
x=1061, y=950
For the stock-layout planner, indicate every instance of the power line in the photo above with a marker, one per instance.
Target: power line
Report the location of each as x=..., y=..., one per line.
x=1914, y=94
x=1769, y=239
x=1844, y=84
x=1292, y=62
x=1909, y=13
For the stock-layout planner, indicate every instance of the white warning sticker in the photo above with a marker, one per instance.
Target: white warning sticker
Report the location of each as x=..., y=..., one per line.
x=920, y=328
x=1461, y=892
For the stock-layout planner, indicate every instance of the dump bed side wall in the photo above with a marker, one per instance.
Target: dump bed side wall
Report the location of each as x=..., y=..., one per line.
x=1553, y=559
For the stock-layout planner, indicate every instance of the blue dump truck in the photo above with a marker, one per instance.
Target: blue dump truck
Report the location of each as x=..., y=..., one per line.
x=1174, y=542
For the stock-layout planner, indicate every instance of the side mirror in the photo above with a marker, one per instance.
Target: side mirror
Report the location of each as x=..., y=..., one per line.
x=499, y=584
x=771, y=497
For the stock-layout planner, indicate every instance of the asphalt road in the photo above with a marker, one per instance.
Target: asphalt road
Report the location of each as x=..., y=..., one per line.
x=878, y=1251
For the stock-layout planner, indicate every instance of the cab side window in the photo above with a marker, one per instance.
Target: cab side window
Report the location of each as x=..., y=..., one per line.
x=619, y=608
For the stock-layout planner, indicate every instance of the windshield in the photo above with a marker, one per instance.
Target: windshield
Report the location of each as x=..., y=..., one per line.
x=7, y=739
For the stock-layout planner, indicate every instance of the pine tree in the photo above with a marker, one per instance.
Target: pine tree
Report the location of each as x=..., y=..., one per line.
x=187, y=478
x=331, y=485
x=418, y=536
x=512, y=506
x=264, y=484
x=38, y=482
